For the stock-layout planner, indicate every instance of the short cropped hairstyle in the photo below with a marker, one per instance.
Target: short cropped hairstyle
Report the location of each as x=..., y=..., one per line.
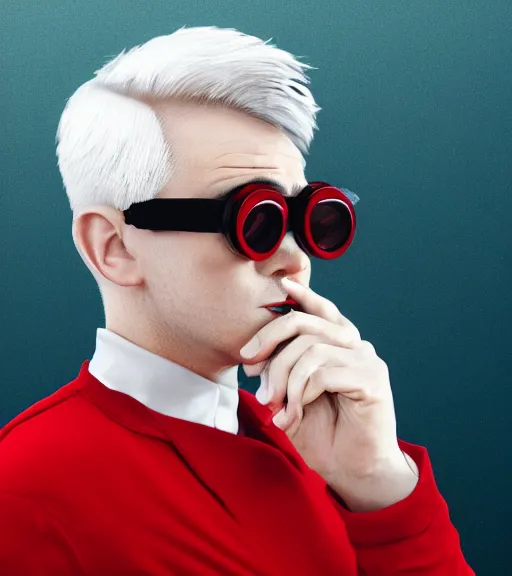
x=110, y=145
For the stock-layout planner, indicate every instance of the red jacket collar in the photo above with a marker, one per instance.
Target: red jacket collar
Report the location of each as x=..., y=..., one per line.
x=130, y=413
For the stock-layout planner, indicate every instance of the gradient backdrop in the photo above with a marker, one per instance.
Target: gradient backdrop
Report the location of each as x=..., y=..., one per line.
x=416, y=119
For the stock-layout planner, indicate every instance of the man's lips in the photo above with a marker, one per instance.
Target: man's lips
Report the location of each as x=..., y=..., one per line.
x=287, y=302
x=283, y=307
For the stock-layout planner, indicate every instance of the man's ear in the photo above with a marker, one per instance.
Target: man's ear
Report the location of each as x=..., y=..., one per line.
x=97, y=234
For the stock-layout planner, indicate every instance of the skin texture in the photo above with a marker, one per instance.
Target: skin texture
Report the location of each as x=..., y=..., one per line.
x=194, y=301
x=157, y=275
x=340, y=414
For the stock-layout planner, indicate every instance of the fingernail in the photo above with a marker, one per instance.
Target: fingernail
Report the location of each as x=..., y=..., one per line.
x=251, y=348
x=262, y=394
x=280, y=418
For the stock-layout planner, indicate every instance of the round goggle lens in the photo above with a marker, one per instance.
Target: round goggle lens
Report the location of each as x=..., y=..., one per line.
x=262, y=227
x=330, y=225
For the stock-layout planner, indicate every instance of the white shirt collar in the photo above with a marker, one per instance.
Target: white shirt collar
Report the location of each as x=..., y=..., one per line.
x=164, y=386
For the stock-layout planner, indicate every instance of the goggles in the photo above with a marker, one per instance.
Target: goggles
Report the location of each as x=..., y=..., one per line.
x=255, y=217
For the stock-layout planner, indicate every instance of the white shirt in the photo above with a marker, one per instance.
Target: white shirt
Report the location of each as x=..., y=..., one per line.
x=164, y=386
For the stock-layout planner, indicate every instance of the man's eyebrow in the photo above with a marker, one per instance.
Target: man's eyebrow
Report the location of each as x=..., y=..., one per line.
x=296, y=188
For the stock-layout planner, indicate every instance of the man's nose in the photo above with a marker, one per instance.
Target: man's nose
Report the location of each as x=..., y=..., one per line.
x=288, y=259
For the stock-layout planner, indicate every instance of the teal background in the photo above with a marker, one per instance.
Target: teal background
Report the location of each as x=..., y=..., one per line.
x=416, y=119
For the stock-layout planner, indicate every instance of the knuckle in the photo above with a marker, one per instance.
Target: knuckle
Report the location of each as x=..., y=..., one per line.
x=312, y=340
x=383, y=366
x=368, y=347
x=319, y=378
x=357, y=334
x=331, y=308
x=316, y=347
x=350, y=336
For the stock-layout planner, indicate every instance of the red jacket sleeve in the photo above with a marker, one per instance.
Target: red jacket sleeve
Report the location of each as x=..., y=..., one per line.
x=32, y=543
x=412, y=537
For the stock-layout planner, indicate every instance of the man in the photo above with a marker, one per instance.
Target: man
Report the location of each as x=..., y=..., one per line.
x=183, y=163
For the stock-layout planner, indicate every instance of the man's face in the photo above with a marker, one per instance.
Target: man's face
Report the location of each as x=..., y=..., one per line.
x=203, y=300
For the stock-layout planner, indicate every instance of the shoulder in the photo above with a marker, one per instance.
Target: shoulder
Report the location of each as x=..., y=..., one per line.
x=39, y=413
x=46, y=443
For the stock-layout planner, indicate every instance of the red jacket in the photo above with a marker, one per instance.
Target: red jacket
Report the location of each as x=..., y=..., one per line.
x=93, y=482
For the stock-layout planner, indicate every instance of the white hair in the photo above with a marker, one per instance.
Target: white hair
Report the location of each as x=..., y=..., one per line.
x=110, y=146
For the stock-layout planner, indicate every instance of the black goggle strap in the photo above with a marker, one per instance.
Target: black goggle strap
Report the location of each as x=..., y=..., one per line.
x=177, y=214
x=190, y=214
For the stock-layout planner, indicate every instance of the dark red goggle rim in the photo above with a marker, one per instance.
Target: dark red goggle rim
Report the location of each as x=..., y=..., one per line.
x=296, y=214
x=230, y=215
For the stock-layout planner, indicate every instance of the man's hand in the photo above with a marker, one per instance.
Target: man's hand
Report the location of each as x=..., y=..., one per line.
x=339, y=413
